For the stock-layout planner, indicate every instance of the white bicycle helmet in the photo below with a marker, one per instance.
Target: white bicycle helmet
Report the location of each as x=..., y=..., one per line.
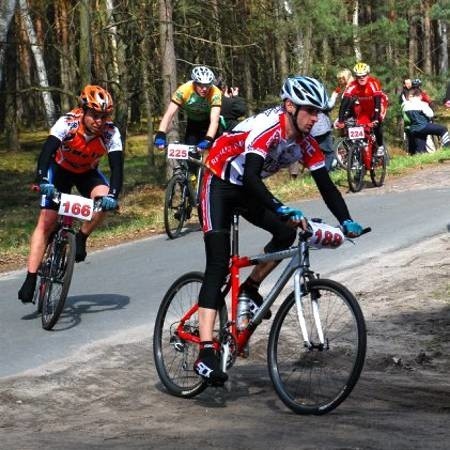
x=305, y=91
x=202, y=75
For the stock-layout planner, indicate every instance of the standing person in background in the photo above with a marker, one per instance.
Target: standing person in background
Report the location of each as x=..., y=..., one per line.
x=419, y=114
x=70, y=157
x=201, y=101
x=344, y=78
x=233, y=106
x=322, y=133
x=447, y=96
x=410, y=85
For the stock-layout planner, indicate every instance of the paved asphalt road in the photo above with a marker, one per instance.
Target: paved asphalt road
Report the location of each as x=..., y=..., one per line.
x=121, y=287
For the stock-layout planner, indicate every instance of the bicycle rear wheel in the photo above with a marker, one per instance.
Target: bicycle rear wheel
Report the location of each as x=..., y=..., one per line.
x=355, y=169
x=341, y=152
x=57, y=279
x=317, y=380
x=175, y=356
x=175, y=206
x=378, y=169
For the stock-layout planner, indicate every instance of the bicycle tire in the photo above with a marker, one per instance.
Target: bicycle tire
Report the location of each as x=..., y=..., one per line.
x=341, y=152
x=175, y=205
x=317, y=381
x=59, y=277
x=378, y=169
x=174, y=358
x=355, y=168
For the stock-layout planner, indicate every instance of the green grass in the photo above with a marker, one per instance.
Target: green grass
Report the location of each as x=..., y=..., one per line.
x=141, y=204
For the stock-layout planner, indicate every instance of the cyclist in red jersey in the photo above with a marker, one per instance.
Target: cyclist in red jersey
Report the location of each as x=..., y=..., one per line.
x=70, y=157
x=257, y=148
x=364, y=100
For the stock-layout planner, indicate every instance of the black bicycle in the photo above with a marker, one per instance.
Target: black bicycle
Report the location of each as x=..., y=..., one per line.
x=182, y=191
x=56, y=269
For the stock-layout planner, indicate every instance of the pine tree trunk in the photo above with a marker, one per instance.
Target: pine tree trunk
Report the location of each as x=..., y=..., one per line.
x=355, y=21
x=40, y=66
x=7, y=8
x=443, y=48
x=85, y=43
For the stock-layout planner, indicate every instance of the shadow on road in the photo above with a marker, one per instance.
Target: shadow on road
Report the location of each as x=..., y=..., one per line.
x=78, y=305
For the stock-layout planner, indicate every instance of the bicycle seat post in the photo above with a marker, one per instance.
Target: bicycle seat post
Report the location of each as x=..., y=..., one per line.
x=235, y=235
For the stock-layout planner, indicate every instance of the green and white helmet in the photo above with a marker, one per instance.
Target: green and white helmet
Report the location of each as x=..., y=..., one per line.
x=202, y=75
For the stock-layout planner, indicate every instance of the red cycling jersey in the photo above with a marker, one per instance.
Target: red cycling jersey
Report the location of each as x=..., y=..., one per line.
x=265, y=135
x=364, y=107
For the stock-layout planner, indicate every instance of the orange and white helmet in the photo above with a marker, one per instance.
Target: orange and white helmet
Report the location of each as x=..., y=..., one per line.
x=96, y=98
x=361, y=69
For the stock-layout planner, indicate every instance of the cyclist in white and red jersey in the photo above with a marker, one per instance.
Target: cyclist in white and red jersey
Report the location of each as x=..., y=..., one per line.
x=364, y=100
x=238, y=161
x=69, y=157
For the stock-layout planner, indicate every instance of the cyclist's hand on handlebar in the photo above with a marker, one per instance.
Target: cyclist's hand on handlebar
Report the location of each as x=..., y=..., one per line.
x=205, y=144
x=160, y=140
x=46, y=188
x=339, y=124
x=109, y=203
x=293, y=214
x=351, y=228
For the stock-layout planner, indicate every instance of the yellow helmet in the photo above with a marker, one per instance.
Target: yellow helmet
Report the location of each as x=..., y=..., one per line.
x=361, y=69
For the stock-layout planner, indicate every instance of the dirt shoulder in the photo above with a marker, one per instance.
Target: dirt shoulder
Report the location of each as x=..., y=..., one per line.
x=108, y=396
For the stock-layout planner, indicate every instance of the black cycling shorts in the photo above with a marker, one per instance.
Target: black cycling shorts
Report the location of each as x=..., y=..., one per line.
x=65, y=180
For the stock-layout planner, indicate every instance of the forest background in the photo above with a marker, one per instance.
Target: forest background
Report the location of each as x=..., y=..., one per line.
x=141, y=50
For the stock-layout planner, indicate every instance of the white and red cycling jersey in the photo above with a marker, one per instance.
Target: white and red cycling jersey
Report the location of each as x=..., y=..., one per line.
x=80, y=152
x=265, y=135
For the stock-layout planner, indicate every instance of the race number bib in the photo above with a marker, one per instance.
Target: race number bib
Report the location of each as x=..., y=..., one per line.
x=325, y=236
x=356, y=132
x=76, y=206
x=178, y=151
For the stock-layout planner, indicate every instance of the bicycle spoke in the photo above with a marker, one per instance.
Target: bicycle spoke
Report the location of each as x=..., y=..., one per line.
x=315, y=380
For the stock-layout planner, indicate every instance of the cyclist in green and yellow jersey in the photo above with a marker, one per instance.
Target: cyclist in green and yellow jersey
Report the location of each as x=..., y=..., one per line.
x=201, y=101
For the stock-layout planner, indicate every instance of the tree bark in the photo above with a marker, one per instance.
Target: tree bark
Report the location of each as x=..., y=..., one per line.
x=355, y=22
x=40, y=66
x=85, y=43
x=7, y=8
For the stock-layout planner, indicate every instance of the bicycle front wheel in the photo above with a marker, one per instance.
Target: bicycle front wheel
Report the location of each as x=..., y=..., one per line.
x=316, y=379
x=378, y=169
x=174, y=355
x=175, y=206
x=355, y=169
x=57, y=280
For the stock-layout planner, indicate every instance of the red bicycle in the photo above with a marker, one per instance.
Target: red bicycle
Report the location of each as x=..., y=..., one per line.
x=317, y=341
x=363, y=156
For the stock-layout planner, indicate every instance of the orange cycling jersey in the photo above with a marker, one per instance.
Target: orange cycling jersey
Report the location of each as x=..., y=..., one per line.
x=197, y=108
x=80, y=152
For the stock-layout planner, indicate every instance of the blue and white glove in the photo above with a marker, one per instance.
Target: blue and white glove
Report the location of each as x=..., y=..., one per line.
x=291, y=213
x=205, y=144
x=351, y=228
x=46, y=188
x=108, y=203
x=160, y=139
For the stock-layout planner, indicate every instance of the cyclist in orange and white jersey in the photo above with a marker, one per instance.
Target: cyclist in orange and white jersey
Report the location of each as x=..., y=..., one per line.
x=238, y=161
x=364, y=99
x=201, y=101
x=69, y=157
